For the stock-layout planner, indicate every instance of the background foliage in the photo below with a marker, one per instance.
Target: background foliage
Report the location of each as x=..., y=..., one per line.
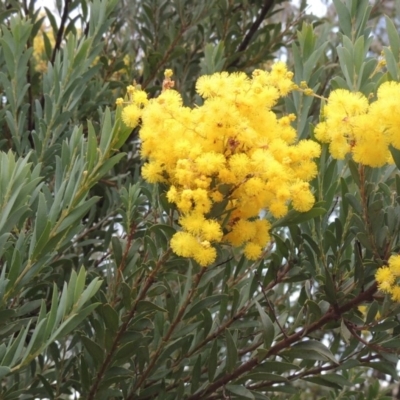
x=92, y=300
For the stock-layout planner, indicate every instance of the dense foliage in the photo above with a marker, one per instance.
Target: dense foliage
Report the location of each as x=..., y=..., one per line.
x=172, y=231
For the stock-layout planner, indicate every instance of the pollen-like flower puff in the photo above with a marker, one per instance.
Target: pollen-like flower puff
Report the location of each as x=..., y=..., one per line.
x=216, y=196
x=252, y=251
x=184, y=244
x=322, y=133
x=283, y=153
x=241, y=232
x=232, y=150
x=202, y=201
x=302, y=198
x=253, y=187
x=240, y=165
x=192, y=222
x=343, y=103
x=152, y=172
x=185, y=202
x=220, y=83
x=139, y=97
x=281, y=78
x=386, y=110
x=385, y=279
x=172, y=194
x=353, y=126
x=339, y=147
x=203, y=182
x=205, y=254
x=306, y=170
x=287, y=133
x=226, y=176
x=262, y=236
x=337, y=129
x=153, y=117
x=131, y=115
x=371, y=145
x=170, y=98
x=205, y=86
x=210, y=163
x=395, y=293
x=278, y=208
x=394, y=265
x=307, y=149
x=184, y=173
x=211, y=231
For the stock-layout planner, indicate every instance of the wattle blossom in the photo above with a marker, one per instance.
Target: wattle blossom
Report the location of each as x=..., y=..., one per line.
x=226, y=160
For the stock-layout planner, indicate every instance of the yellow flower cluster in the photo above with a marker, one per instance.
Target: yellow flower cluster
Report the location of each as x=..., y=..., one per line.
x=353, y=125
x=225, y=160
x=388, y=278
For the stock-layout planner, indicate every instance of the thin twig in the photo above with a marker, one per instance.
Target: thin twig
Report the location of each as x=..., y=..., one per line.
x=331, y=315
x=149, y=281
x=271, y=307
x=61, y=29
x=168, y=335
x=253, y=29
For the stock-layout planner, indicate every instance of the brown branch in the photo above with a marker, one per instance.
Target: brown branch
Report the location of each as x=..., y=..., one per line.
x=314, y=371
x=280, y=277
x=253, y=29
x=235, y=317
x=372, y=346
x=29, y=82
x=149, y=281
x=272, y=308
x=367, y=220
x=168, y=335
x=60, y=31
x=331, y=315
x=122, y=264
x=166, y=56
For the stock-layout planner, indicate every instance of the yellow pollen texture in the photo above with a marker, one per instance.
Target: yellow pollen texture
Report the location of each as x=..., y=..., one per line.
x=227, y=161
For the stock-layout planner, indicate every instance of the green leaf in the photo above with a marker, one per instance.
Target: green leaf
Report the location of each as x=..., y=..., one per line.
x=319, y=380
x=111, y=318
x=41, y=216
x=169, y=231
x=384, y=367
x=316, y=346
x=213, y=361
x=276, y=366
x=4, y=371
x=72, y=322
x=262, y=376
x=231, y=351
x=95, y=351
x=79, y=285
x=106, y=132
x=268, y=327
x=394, y=39
x=204, y=303
x=240, y=391
x=344, y=17
x=295, y=218
x=372, y=312
x=145, y=305
x=178, y=344
x=77, y=213
x=396, y=155
x=391, y=64
x=345, y=333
